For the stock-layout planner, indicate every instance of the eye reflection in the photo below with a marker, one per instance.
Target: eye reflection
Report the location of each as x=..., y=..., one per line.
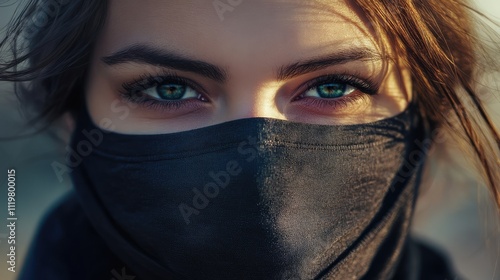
x=330, y=90
x=171, y=91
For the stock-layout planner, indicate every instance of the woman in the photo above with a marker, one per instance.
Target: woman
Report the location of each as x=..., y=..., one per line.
x=248, y=139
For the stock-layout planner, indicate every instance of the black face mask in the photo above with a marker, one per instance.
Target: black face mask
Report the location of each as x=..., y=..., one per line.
x=254, y=198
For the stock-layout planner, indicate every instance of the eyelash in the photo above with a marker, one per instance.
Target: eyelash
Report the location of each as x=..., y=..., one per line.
x=364, y=89
x=131, y=91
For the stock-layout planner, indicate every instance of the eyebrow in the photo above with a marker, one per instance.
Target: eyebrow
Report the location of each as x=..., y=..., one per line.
x=140, y=53
x=314, y=64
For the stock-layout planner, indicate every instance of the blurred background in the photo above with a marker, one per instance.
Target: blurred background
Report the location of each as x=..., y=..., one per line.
x=459, y=217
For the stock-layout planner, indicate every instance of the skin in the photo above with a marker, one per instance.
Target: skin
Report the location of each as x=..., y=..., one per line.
x=249, y=42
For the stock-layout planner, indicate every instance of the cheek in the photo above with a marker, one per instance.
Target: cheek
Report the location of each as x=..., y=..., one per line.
x=407, y=81
x=396, y=90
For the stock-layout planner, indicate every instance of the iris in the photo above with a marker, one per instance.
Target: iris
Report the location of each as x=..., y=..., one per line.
x=331, y=90
x=171, y=91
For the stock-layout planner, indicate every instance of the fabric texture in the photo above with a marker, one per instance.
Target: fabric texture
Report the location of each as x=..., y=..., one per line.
x=67, y=247
x=255, y=198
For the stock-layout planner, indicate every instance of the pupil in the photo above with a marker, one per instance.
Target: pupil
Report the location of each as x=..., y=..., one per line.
x=171, y=91
x=331, y=90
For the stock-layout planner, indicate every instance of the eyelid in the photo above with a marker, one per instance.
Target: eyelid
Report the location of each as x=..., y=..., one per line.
x=132, y=91
x=349, y=89
x=367, y=86
x=147, y=80
x=333, y=105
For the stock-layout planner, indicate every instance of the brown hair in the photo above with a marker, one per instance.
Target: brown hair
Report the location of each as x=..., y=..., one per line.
x=435, y=38
x=445, y=57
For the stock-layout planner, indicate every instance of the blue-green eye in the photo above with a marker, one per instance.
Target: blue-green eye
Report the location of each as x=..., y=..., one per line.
x=171, y=91
x=330, y=90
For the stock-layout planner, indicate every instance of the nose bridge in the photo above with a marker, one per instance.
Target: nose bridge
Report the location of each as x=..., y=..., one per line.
x=255, y=101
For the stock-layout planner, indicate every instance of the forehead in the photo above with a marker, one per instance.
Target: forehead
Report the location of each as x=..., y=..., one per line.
x=236, y=32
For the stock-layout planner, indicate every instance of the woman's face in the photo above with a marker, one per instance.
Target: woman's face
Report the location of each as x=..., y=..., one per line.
x=190, y=64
